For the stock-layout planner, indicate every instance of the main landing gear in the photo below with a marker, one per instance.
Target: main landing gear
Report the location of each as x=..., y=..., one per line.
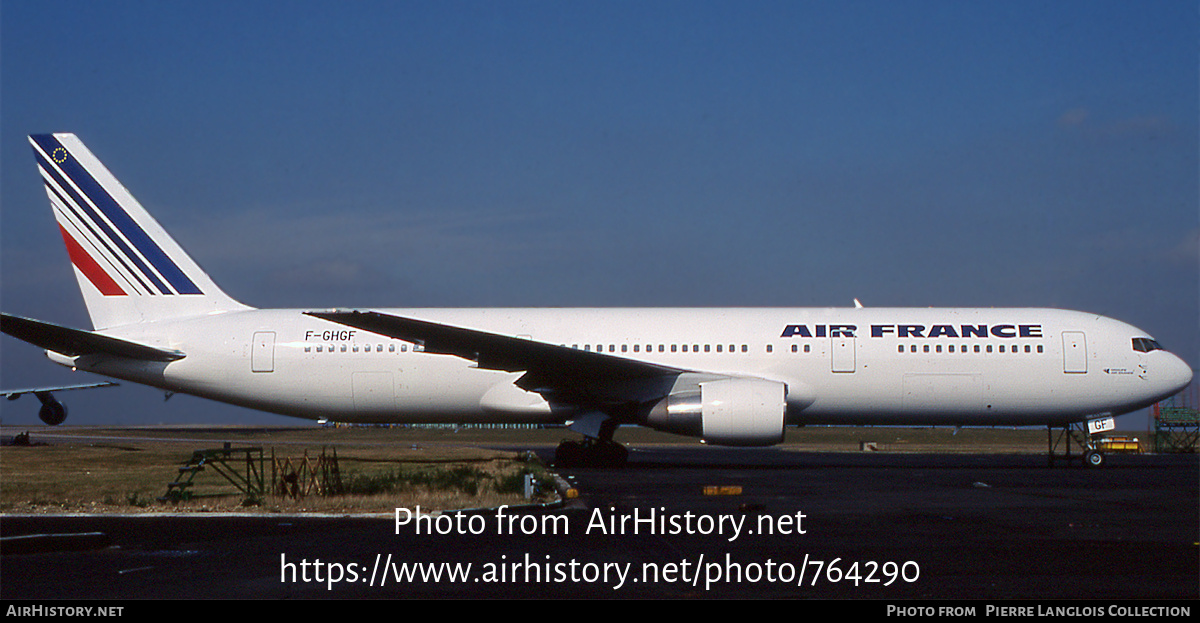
x=593, y=451
x=589, y=452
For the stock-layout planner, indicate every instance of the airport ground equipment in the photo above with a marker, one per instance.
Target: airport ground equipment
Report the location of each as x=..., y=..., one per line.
x=318, y=475
x=1119, y=445
x=242, y=467
x=1176, y=427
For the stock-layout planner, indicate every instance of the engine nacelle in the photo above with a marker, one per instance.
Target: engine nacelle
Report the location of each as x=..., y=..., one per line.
x=52, y=412
x=727, y=412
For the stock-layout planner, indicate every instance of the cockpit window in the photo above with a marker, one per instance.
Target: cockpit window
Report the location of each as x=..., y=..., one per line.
x=1145, y=345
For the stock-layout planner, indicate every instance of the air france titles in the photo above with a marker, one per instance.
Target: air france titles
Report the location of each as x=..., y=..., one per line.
x=917, y=330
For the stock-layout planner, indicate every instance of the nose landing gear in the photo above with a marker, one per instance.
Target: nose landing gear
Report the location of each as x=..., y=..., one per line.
x=1074, y=435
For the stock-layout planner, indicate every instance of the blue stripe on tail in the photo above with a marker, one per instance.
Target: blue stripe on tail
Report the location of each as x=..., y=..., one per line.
x=116, y=215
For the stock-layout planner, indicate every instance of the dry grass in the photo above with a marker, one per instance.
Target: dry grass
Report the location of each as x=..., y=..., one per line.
x=98, y=470
x=98, y=473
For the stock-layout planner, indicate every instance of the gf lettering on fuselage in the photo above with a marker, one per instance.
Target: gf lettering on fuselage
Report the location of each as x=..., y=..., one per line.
x=917, y=330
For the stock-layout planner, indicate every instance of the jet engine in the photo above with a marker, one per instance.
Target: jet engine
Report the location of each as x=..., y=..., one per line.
x=727, y=412
x=52, y=412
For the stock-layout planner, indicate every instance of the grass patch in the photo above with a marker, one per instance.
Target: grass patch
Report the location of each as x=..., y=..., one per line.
x=462, y=478
x=378, y=475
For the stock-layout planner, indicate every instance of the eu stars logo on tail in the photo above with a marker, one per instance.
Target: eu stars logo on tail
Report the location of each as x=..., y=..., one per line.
x=129, y=268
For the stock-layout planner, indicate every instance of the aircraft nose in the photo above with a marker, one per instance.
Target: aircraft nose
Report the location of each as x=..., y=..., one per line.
x=1176, y=375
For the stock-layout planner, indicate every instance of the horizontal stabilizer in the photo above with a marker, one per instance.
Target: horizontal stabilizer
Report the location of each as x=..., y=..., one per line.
x=74, y=342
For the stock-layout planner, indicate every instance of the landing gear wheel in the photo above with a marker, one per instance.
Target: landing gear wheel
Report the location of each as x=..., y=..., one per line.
x=1091, y=458
x=569, y=454
x=611, y=454
x=590, y=453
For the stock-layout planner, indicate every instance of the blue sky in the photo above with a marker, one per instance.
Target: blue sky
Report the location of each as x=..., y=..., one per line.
x=318, y=154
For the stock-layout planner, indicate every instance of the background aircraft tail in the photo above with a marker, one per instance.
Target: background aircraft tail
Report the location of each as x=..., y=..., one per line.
x=129, y=269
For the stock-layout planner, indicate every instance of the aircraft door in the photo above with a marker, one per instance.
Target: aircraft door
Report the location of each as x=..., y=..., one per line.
x=262, y=352
x=1074, y=352
x=842, y=353
x=374, y=392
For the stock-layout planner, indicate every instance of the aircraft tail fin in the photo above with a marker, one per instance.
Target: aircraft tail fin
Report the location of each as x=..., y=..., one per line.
x=129, y=268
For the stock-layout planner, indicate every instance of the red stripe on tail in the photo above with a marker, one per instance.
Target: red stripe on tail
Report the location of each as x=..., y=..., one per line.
x=90, y=269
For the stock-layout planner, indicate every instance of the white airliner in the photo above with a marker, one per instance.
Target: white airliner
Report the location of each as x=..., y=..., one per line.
x=733, y=376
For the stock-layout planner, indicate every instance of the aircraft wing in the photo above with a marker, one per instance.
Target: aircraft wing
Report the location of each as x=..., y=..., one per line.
x=13, y=394
x=74, y=342
x=547, y=367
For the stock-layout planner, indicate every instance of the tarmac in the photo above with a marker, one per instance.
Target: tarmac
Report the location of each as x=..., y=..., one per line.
x=681, y=522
